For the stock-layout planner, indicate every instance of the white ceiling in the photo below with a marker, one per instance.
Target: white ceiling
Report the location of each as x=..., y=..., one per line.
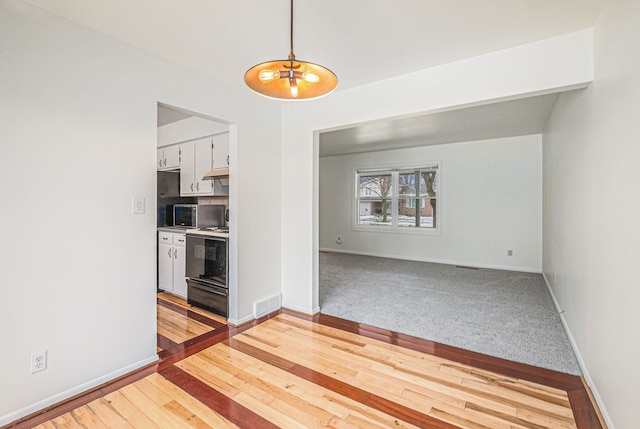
x=505, y=119
x=360, y=40
x=167, y=115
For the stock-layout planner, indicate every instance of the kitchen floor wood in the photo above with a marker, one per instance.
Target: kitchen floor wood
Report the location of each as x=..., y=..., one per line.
x=293, y=371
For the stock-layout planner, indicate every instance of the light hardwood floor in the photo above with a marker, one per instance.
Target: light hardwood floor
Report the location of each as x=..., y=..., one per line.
x=293, y=371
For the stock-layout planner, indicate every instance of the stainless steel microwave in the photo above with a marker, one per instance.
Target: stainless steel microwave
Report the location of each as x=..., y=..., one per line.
x=185, y=215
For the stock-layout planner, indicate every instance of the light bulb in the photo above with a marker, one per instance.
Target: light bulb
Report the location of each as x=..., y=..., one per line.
x=268, y=75
x=310, y=77
x=293, y=85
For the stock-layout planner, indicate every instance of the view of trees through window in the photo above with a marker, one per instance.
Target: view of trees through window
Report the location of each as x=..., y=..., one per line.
x=398, y=197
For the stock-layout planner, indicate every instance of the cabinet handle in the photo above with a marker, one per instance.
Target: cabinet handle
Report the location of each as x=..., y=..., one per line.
x=192, y=187
x=165, y=162
x=227, y=159
x=198, y=186
x=169, y=252
x=160, y=164
x=175, y=253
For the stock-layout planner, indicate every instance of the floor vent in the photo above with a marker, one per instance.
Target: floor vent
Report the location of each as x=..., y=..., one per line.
x=266, y=306
x=260, y=309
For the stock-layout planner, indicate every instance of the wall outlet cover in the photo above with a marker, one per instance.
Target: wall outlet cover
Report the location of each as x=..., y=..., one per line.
x=38, y=362
x=138, y=205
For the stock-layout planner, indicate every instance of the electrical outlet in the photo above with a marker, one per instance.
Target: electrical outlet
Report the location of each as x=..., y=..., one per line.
x=38, y=362
x=339, y=240
x=509, y=252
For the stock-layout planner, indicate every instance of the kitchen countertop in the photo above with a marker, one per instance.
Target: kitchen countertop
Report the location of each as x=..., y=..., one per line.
x=181, y=229
x=209, y=233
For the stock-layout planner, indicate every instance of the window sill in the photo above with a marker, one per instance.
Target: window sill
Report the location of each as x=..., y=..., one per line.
x=398, y=230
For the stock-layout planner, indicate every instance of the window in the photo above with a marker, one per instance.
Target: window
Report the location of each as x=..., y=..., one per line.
x=397, y=198
x=374, y=194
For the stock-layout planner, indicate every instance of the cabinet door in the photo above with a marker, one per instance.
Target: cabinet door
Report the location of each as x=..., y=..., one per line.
x=221, y=151
x=203, y=164
x=179, y=266
x=187, y=174
x=171, y=157
x=165, y=267
x=160, y=164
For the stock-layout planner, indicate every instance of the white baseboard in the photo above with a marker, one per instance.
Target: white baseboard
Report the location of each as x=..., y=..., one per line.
x=304, y=310
x=69, y=393
x=241, y=321
x=436, y=261
x=581, y=362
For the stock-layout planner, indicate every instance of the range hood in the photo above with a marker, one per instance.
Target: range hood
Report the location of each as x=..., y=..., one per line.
x=221, y=174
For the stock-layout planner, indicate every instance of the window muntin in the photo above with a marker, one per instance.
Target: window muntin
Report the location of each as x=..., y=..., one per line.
x=401, y=198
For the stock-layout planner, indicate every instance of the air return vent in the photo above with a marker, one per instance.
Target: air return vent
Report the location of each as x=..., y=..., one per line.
x=266, y=306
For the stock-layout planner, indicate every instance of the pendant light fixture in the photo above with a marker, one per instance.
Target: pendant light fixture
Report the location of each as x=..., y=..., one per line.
x=290, y=79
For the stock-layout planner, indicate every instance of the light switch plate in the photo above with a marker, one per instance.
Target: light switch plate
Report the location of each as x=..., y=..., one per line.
x=138, y=205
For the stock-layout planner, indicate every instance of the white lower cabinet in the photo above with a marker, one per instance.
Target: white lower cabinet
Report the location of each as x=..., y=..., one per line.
x=171, y=263
x=179, y=266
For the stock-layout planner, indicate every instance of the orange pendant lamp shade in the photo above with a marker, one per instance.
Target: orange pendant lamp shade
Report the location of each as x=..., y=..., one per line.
x=291, y=79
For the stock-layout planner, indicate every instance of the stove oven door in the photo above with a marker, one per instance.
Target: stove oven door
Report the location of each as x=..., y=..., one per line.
x=206, y=259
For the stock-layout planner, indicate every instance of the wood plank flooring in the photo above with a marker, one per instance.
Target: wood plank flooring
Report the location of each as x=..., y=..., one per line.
x=293, y=371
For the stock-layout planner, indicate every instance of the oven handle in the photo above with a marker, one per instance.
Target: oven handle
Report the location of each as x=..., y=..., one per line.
x=215, y=292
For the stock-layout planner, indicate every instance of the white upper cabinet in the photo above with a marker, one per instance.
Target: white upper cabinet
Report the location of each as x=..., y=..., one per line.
x=187, y=169
x=169, y=157
x=203, y=164
x=195, y=160
x=182, y=145
x=221, y=151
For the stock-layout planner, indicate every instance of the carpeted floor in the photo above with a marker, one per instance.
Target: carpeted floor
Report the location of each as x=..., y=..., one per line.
x=500, y=313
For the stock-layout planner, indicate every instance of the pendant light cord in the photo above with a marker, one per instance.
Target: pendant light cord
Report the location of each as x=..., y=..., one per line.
x=291, y=54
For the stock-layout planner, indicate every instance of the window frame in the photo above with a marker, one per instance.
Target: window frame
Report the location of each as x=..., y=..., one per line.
x=396, y=169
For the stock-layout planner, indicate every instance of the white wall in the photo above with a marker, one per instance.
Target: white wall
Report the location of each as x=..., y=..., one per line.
x=78, y=141
x=546, y=66
x=490, y=201
x=592, y=214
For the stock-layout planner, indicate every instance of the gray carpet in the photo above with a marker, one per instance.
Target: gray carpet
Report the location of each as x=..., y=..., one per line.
x=504, y=314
